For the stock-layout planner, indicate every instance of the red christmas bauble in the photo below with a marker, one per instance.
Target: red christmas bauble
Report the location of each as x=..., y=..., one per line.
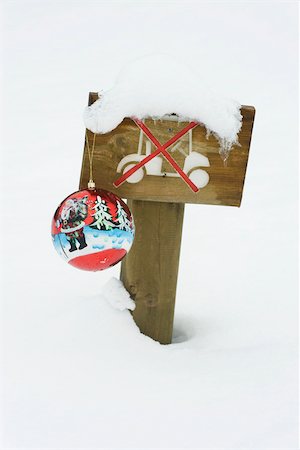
x=92, y=229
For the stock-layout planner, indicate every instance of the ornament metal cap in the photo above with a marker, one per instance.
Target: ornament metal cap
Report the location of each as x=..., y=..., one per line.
x=91, y=185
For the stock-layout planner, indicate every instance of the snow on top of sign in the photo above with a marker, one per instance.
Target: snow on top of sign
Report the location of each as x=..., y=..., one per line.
x=158, y=85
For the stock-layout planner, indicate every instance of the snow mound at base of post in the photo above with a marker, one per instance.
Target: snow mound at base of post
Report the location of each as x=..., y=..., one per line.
x=159, y=85
x=117, y=296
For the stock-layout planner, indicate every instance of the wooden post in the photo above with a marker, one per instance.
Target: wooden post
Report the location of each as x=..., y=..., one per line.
x=149, y=272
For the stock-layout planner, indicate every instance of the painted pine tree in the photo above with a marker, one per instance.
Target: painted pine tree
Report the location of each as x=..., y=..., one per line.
x=123, y=221
x=103, y=218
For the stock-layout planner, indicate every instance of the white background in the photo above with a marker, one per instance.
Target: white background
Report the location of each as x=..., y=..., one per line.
x=77, y=374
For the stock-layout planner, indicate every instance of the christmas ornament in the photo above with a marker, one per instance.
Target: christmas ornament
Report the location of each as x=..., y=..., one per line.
x=92, y=229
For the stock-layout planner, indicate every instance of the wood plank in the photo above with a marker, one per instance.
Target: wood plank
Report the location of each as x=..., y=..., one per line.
x=226, y=183
x=149, y=271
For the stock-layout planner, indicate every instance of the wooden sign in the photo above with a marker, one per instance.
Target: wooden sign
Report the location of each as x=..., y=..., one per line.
x=156, y=194
x=120, y=149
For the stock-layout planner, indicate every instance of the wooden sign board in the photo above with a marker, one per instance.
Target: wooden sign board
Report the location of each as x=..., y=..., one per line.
x=157, y=198
x=119, y=148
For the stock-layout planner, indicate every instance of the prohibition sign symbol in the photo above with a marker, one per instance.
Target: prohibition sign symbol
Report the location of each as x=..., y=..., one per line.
x=160, y=149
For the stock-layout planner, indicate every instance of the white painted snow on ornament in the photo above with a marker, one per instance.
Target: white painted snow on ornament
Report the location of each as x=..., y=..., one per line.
x=115, y=293
x=159, y=85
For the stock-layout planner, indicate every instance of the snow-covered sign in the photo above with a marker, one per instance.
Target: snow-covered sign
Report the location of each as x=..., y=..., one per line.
x=162, y=140
x=203, y=177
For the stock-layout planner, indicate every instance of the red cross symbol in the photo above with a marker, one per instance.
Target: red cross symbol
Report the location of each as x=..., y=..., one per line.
x=160, y=149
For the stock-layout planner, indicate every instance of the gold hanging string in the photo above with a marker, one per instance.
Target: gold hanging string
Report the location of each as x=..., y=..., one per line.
x=91, y=183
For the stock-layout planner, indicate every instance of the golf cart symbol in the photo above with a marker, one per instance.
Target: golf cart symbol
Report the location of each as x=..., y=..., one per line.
x=192, y=163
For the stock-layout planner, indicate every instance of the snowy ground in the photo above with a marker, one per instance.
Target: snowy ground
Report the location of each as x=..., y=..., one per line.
x=77, y=373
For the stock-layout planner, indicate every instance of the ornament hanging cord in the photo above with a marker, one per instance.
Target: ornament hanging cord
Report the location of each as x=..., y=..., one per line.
x=91, y=183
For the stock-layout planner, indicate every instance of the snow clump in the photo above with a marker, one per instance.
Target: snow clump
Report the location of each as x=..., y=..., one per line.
x=157, y=86
x=115, y=293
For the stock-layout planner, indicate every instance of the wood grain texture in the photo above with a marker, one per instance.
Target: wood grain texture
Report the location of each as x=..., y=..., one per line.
x=149, y=271
x=225, y=186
